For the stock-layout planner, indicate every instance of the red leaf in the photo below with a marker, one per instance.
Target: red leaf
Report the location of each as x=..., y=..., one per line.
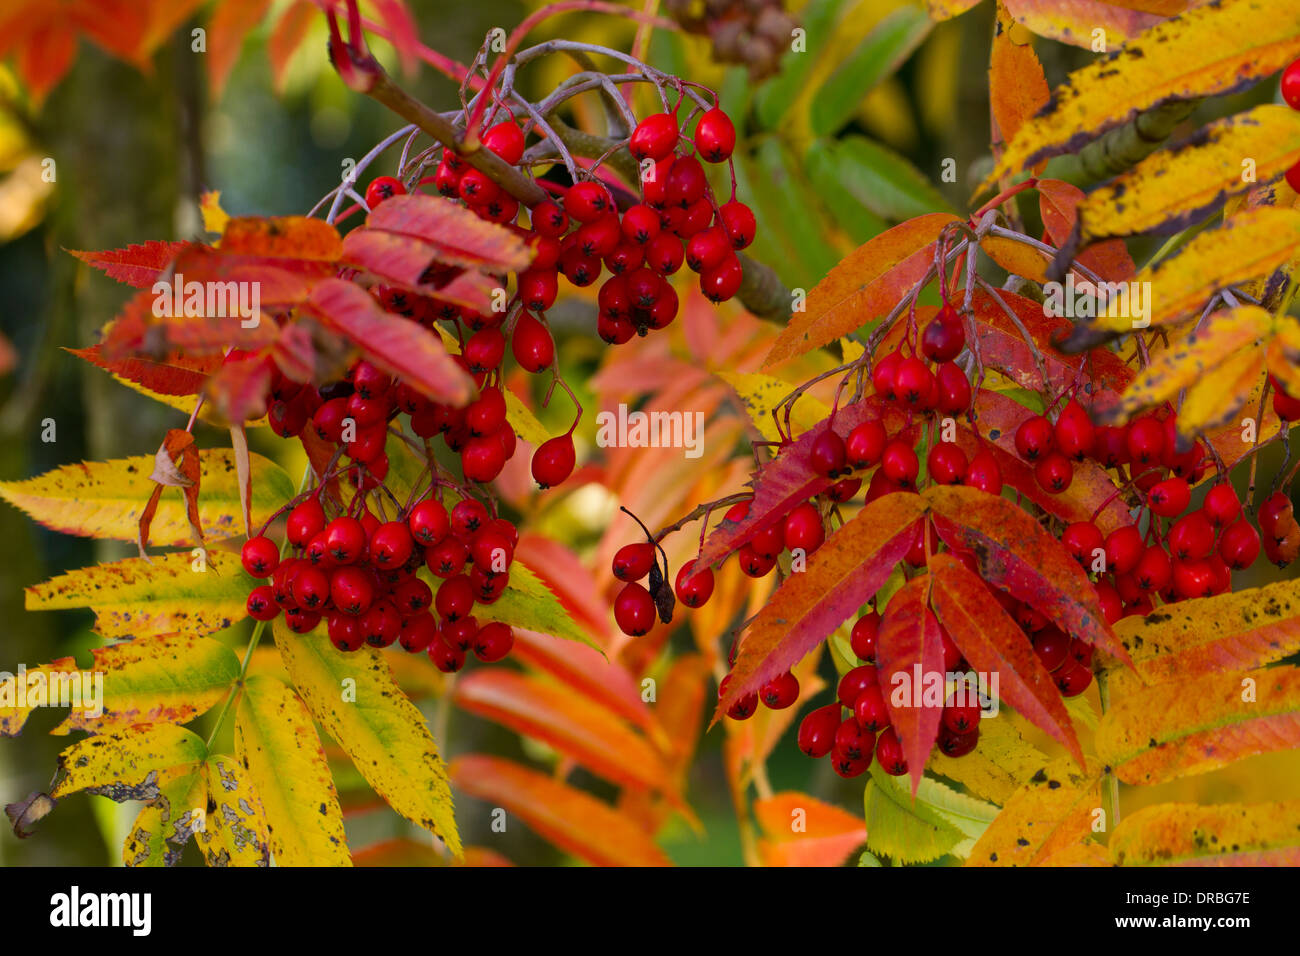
x=1058, y=202
x=175, y=375
x=458, y=236
x=287, y=37
x=909, y=644
x=137, y=265
x=789, y=479
x=138, y=332
x=1014, y=552
x=993, y=643
x=400, y=347
x=46, y=57
x=841, y=576
x=403, y=32
x=240, y=388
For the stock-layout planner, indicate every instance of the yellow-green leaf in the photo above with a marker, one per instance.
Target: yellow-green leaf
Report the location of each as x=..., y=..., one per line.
x=104, y=499
x=762, y=393
x=235, y=831
x=1192, y=726
x=354, y=697
x=126, y=765
x=1210, y=50
x=999, y=765
x=135, y=598
x=277, y=745
x=902, y=829
x=1216, y=398
x=166, y=823
x=1230, y=834
x=529, y=602
x=1050, y=815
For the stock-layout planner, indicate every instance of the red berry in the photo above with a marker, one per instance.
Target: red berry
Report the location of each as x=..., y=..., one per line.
x=913, y=382
x=506, y=140
x=855, y=682
x=1054, y=473
x=301, y=621
x=1110, y=446
x=1072, y=679
x=634, y=610
x=391, y=545
x=381, y=188
x=1155, y=570
x=1239, y=545
x=984, y=474
x=455, y=598
x=1193, y=579
x=381, y=625
x=715, y=136
x=694, y=588
x=1082, y=540
x=954, y=388
x=1286, y=406
x=1146, y=442
x=1169, y=498
x=548, y=219
x=738, y=221
x=943, y=337
x=827, y=455
x=412, y=596
x=664, y=254
x=1124, y=549
x=1290, y=85
x=803, y=529
x=428, y=522
x=708, y=249
x=865, y=444
x=1221, y=505
x=493, y=642
x=884, y=376
x=655, y=137
x=260, y=556
x=446, y=658
x=1035, y=438
x=1192, y=537
x=345, y=538
x=722, y=281
x=1074, y=432
x=531, y=344
x=1111, y=606
x=900, y=464
x=889, y=754
x=553, y=461
x=846, y=766
x=538, y=289
x=817, y=730
x=685, y=182
x=780, y=692
x=869, y=709
x=588, y=201
x=416, y=634
x=632, y=561
x=963, y=717
x=754, y=564
x=344, y=632
x=352, y=590
x=306, y=520
x=1052, y=647
x=261, y=605
x=863, y=637
x=311, y=588
x=957, y=745
x=947, y=463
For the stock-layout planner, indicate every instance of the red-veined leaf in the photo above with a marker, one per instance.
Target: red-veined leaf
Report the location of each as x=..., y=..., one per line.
x=458, y=236
x=909, y=656
x=137, y=265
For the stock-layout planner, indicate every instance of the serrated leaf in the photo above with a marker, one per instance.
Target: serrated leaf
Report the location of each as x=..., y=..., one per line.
x=999, y=765
x=1196, y=725
x=105, y=499
x=277, y=745
x=1211, y=50
x=968, y=814
x=1230, y=834
x=137, y=265
x=1014, y=552
x=909, y=655
x=1214, y=400
x=864, y=285
x=235, y=831
x=831, y=177
x=165, y=678
x=528, y=602
x=1176, y=187
x=903, y=829
x=993, y=643
x=134, y=598
x=381, y=730
x=126, y=765
x=841, y=576
x=574, y=821
x=1049, y=816
x=804, y=831
x=454, y=233
x=167, y=822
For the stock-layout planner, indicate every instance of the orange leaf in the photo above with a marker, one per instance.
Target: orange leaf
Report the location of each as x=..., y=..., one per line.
x=909, y=644
x=1014, y=552
x=231, y=21
x=287, y=37
x=137, y=265
x=175, y=375
x=574, y=821
x=176, y=466
x=805, y=831
x=993, y=643
x=1058, y=204
x=865, y=285
x=576, y=726
x=841, y=576
x=1017, y=86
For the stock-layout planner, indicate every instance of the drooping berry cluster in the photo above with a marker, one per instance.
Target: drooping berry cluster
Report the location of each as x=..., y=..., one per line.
x=361, y=575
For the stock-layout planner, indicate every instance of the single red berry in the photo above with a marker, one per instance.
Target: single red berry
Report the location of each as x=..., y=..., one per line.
x=493, y=642
x=588, y=201
x=827, y=455
x=1054, y=473
x=817, y=730
x=446, y=658
x=1221, y=505
x=846, y=766
x=352, y=590
x=506, y=140
x=553, y=461
x=863, y=636
x=655, y=137
x=852, y=742
x=665, y=254
x=381, y=625
x=722, y=281
x=1155, y=570
x=913, y=383
x=1074, y=432
x=455, y=598
x=715, y=136
x=306, y=520
x=1110, y=446
x=260, y=556
x=1124, y=549
x=1290, y=85
x=346, y=540
x=428, y=522
x=548, y=219
x=780, y=692
x=301, y=621
x=1146, y=441
x=983, y=473
x=1169, y=498
x=686, y=183
x=344, y=632
x=261, y=605
x=900, y=464
x=708, y=249
x=869, y=709
x=417, y=633
x=381, y=188
x=1052, y=647
x=1072, y=679
x=1286, y=406
x=865, y=445
x=957, y=745
x=634, y=610
x=412, y=596
x=311, y=588
x=1081, y=651
x=889, y=754
x=1192, y=537
x=738, y=221
x=754, y=564
x=531, y=344
x=769, y=542
x=632, y=561
x=1083, y=540
x=694, y=588
x=803, y=529
x=884, y=376
x=947, y=463
x=538, y=289
x=954, y=388
x=943, y=337
x=961, y=717
x=855, y=682
x=1239, y=545
x=1035, y=438
x=1193, y=579
x=1111, y=606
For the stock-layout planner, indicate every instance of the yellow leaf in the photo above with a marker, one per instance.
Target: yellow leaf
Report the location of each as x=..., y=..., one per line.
x=1189, y=360
x=1050, y=815
x=104, y=499
x=1215, y=399
x=166, y=823
x=947, y=9
x=1001, y=763
x=126, y=765
x=277, y=744
x=1073, y=21
x=760, y=394
x=1019, y=259
x=135, y=598
x=214, y=217
x=235, y=831
x=1192, y=726
x=1207, y=51
x=1174, y=188
x=355, y=699
x=1231, y=834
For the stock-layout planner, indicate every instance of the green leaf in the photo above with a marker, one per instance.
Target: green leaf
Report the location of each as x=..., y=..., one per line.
x=903, y=830
x=968, y=814
x=786, y=203
x=354, y=697
x=881, y=180
x=824, y=161
x=884, y=51
x=869, y=859
x=528, y=602
x=775, y=97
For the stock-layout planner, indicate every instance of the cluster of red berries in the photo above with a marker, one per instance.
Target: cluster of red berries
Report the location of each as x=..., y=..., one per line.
x=582, y=232
x=361, y=575
x=1291, y=94
x=852, y=740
